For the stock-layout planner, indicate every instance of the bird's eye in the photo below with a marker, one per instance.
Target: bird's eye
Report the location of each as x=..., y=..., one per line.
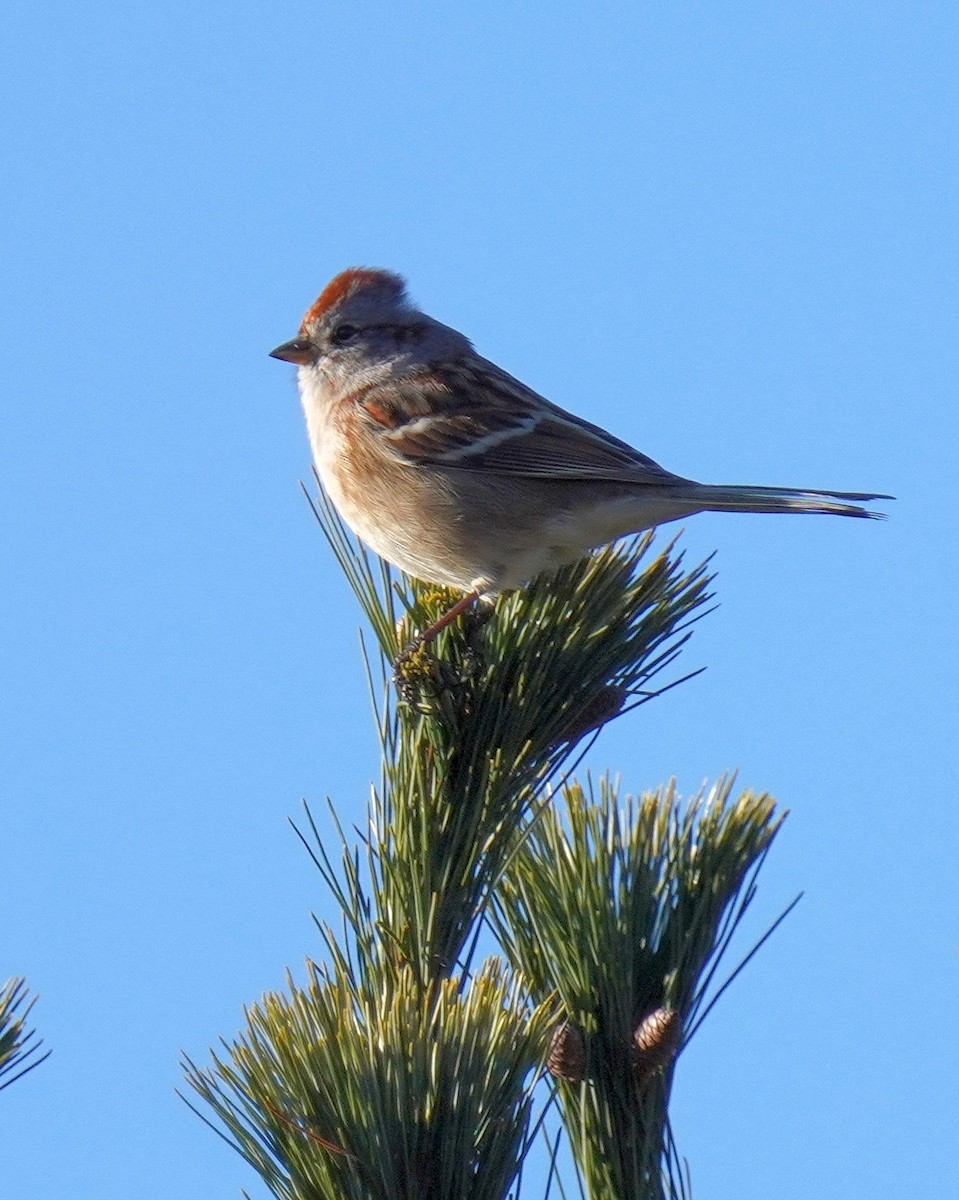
x=342, y=334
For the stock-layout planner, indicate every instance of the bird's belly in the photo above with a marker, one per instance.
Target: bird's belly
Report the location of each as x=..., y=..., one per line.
x=455, y=529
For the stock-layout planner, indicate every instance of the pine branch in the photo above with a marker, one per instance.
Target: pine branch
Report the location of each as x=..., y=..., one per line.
x=492, y=711
x=342, y=1091
x=621, y=909
x=19, y=1047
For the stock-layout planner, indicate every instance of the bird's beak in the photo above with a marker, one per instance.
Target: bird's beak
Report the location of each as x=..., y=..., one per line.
x=299, y=350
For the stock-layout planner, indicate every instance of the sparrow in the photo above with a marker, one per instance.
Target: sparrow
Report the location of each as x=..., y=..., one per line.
x=459, y=474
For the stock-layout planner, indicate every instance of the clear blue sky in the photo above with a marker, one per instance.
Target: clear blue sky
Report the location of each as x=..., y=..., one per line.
x=726, y=231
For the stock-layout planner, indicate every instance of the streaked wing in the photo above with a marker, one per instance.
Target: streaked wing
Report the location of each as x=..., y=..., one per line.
x=475, y=417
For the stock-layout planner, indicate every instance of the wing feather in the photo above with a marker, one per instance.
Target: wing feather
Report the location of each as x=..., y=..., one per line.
x=472, y=416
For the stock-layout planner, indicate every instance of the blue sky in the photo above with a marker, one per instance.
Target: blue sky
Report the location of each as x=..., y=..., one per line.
x=727, y=232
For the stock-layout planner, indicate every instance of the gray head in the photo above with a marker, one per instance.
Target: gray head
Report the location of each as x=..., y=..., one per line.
x=363, y=324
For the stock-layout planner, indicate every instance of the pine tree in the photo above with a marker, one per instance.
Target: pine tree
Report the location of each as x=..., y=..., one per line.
x=407, y=1069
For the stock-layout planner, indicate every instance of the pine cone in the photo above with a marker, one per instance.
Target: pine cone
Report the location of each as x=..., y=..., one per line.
x=656, y=1040
x=603, y=707
x=567, y=1053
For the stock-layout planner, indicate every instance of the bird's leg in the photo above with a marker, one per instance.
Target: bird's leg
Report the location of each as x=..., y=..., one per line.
x=424, y=638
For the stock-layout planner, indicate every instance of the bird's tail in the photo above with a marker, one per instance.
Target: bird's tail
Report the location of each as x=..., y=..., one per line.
x=719, y=497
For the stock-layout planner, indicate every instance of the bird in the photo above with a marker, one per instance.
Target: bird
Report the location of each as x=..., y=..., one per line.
x=462, y=476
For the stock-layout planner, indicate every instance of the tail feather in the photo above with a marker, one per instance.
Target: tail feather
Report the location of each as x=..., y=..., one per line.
x=718, y=497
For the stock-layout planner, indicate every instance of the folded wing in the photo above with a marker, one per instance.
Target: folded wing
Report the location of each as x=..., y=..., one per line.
x=475, y=417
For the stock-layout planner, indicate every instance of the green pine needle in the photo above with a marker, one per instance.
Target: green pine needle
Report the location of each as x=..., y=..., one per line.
x=395, y=1072
x=353, y=1093
x=19, y=1047
x=491, y=711
x=621, y=908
